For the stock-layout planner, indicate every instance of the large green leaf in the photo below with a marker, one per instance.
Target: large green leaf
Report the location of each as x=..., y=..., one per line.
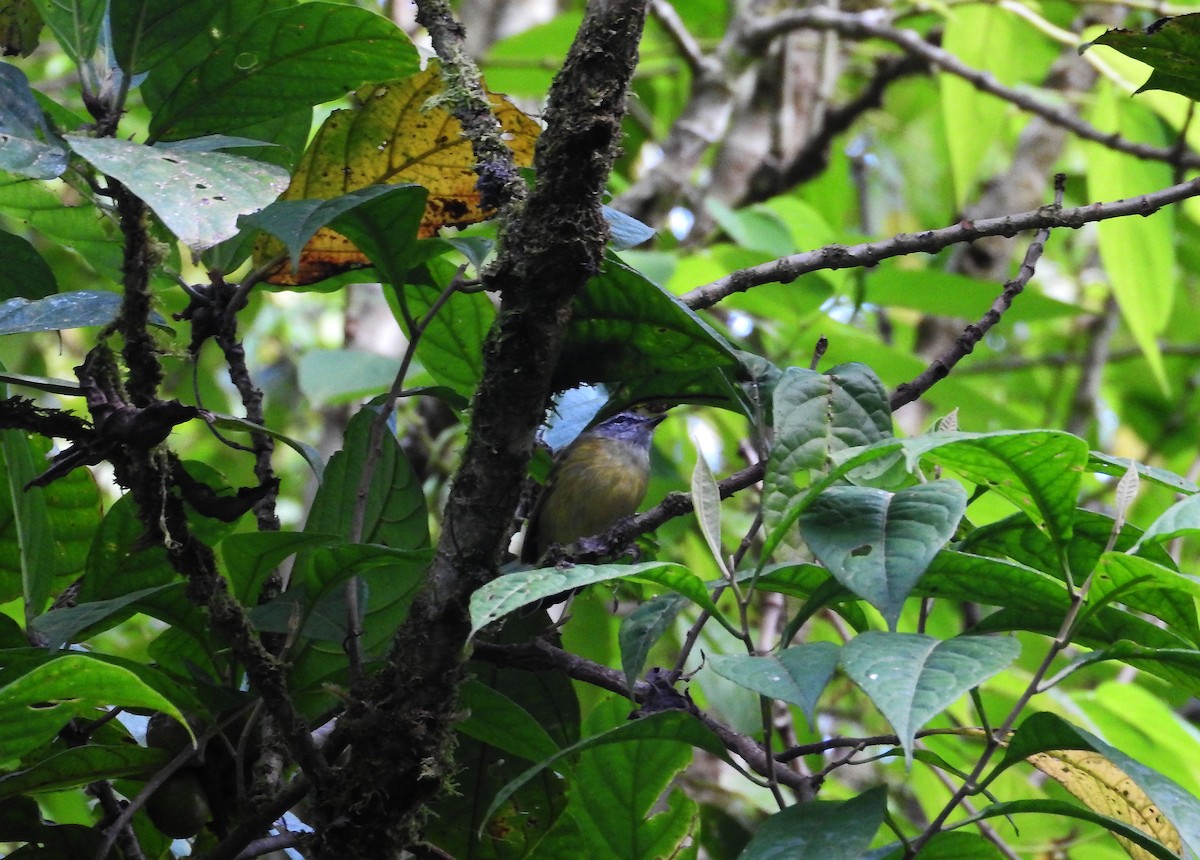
x=624, y=326
x=1171, y=47
x=878, y=544
x=816, y=415
x=76, y=24
x=198, y=195
x=25, y=274
x=795, y=675
x=276, y=62
x=147, y=32
x=912, y=677
x=1138, y=253
x=27, y=146
x=81, y=766
x=615, y=786
x=510, y=592
x=34, y=707
x=821, y=830
x=25, y=522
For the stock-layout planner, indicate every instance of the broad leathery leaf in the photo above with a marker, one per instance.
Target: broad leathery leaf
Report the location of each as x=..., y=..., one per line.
x=1104, y=788
x=642, y=628
x=1039, y=471
x=27, y=146
x=1152, y=588
x=988, y=38
x=34, y=707
x=24, y=274
x=1044, y=732
x=661, y=727
x=912, y=678
x=510, y=592
x=249, y=557
x=947, y=845
x=497, y=720
x=624, y=326
x=821, y=830
x=147, y=32
x=77, y=309
x=280, y=62
x=76, y=25
x=398, y=134
x=1170, y=46
x=795, y=675
x=878, y=544
x=197, y=195
x=63, y=626
x=814, y=416
x=615, y=786
x=1138, y=253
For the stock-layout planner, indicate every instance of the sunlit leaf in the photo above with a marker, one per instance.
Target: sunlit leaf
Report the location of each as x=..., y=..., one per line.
x=398, y=133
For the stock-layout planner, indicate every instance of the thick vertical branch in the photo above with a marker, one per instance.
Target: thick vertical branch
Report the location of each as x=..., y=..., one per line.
x=399, y=729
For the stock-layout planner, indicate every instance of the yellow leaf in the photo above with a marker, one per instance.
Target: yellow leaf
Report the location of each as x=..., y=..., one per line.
x=1104, y=788
x=399, y=132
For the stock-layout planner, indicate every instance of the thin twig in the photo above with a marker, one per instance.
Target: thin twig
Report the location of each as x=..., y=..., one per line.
x=940, y=368
x=787, y=269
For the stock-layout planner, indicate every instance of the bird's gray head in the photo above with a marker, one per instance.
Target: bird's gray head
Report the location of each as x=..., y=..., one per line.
x=635, y=428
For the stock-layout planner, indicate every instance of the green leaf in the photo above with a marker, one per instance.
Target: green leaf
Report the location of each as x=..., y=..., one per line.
x=796, y=675
x=755, y=227
x=1038, y=471
x=642, y=628
x=985, y=37
x=497, y=720
x=147, y=32
x=63, y=626
x=815, y=416
x=295, y=221
x=912, y=678
x=27, y=146
x=664, y=727
x=334, y=376
x=510, y=592
x=451, y=348
x=878, y=544
x=81, y=766
x=821, y=830
x=948, y=294
x=34, y=707
x=20, y=26
x=1180, y=520
x=197, y=195
x=30, y=523
x=25, y=274
x=1170, y=46
x=277, y=64
x=624, y=326
x=706, y=503
x=78, y=309
x=1152, y=588
x=76, y=24
x=250, y=557
x=614, y=787
x=1138, y=253
x=1117, y=466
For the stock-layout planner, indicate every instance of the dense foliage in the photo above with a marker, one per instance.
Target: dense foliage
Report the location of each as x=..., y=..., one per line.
x=284, y=306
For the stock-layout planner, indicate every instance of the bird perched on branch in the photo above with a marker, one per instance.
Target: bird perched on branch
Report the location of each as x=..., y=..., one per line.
x=595, y=481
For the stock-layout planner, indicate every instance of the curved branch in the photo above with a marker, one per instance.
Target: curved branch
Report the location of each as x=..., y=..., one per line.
x=787, y=269
x=870, y=25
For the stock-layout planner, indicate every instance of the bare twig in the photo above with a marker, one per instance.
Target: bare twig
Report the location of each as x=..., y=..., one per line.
x=940, y=368
x=787, y=269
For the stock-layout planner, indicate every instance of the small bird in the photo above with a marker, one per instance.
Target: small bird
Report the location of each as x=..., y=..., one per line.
x=595, y=481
